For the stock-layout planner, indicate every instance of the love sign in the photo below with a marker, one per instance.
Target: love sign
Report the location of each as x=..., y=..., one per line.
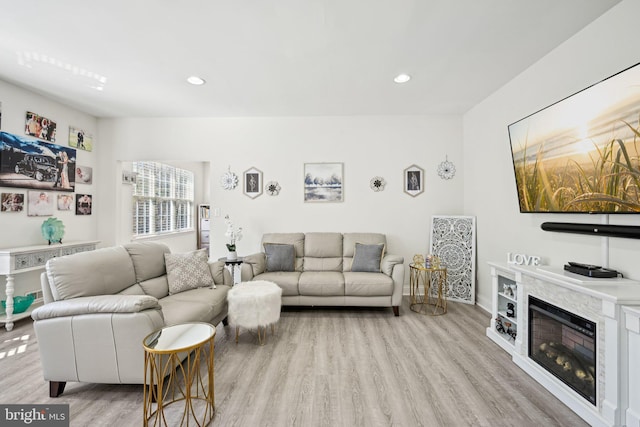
x=522, y=259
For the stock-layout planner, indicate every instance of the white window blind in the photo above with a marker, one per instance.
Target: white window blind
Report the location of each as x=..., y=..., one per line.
x=162, y=199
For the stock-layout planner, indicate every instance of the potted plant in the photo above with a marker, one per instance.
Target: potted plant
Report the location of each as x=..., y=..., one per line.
x=234, y=234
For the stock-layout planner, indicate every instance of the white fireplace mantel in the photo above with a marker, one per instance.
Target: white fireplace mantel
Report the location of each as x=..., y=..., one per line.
x=601, y=301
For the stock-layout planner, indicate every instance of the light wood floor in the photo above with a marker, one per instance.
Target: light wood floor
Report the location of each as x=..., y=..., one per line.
x=328, y=367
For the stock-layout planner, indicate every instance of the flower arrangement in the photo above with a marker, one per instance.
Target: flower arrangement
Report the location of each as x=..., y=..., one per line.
x=234, y=234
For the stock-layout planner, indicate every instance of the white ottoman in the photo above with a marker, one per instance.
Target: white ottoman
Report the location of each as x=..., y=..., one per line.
x=254, y=305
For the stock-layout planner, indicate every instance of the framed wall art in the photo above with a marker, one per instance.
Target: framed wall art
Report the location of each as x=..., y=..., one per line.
x=84, y=175
x=40, y=203
x=12, y=202
x=65, y=202
x=323, y=182
x=29, y=163
x=413, y=180
x=80, y=139
x=83, y=204
x=40, y=127
x=252, y=182
x=453, y=240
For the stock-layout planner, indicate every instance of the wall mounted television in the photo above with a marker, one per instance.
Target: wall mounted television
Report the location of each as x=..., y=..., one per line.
x=581, y=154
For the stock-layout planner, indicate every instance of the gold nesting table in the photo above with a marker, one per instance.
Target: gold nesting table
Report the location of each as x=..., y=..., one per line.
x=175, y=353
x=428, y=289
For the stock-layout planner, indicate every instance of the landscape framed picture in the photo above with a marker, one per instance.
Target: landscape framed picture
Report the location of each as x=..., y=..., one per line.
x=323, y=182
x=413, y=180
x=40, y=127
x=29, y=163
x=12, y=202
x=252, y=182
x=84, y=175
x=79, y=139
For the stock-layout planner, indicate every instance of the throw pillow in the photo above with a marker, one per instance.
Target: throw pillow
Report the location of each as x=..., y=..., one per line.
x=367, y=258
x=188, y=270
x=280, y=257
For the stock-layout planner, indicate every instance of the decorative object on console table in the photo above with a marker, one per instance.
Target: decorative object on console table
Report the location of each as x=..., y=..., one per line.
x=234, y=234
x=52, y=230
x=31, y=258
x=413, y=180
x=252, y=182
x=323, y=182
x=453, y=241
x=20, y=303
x=418, y=260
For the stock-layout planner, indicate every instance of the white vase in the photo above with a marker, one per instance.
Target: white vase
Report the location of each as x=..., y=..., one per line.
x=232, y=256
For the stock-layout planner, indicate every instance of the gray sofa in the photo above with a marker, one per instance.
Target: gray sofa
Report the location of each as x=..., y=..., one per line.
x=99, y=306
x=322, y=271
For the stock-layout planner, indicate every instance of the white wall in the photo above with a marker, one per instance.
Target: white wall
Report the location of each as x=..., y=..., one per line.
x=603, y=48
x=279, y=147
x=18, y=229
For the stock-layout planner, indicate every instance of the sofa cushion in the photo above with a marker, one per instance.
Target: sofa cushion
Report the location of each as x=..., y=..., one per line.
x=295, y=239
x=279, y=257
x=323, y=252
x=367, y=258
x=157, y=287
x=181, y=311
x=321, y=283
x=148, y=259
x=367, y=284
x=134, y=289
x=104, y=271
x=188, y=270
x=287, y=280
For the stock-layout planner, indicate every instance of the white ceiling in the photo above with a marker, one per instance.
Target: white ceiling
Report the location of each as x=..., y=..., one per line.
x=278, y=57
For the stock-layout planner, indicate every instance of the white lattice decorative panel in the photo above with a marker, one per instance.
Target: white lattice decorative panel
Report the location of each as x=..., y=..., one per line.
x=453, y=240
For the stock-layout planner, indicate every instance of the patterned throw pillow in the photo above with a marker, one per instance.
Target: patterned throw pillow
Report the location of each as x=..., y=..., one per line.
x=188, y=270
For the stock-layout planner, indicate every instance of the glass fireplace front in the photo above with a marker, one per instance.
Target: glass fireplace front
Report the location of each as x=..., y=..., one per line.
x=565, y=345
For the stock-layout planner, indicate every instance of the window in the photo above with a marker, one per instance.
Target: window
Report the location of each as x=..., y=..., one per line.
x=162, y=199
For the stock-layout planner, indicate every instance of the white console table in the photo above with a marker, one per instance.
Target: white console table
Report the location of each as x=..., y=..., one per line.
x=30, y=258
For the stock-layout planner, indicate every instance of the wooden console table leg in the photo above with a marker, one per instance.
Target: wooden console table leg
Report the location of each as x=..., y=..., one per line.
x=9, y=308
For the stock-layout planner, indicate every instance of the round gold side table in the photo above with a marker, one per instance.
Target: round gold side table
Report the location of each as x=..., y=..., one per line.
x=428, y=290
x=175, y=352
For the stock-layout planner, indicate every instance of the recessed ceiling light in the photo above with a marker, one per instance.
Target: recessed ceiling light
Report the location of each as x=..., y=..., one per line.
x=402, y=78
x=195, y=80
